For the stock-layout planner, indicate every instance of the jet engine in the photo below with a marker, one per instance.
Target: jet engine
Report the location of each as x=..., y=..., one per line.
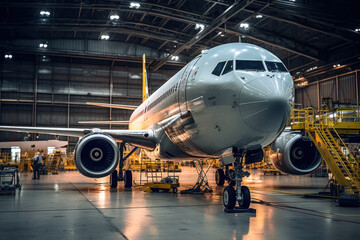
x=96, y=155
x=295, y=154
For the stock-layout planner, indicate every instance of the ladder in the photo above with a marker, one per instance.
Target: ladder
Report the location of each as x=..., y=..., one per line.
x=345, y=167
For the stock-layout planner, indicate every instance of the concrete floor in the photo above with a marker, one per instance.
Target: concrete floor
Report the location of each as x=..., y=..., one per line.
x=70, y=206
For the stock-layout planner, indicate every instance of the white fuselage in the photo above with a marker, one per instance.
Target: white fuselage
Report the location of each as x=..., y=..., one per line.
x=204, y=109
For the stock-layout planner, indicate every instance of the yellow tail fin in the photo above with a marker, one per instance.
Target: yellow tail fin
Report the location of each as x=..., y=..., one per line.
x=145, y=92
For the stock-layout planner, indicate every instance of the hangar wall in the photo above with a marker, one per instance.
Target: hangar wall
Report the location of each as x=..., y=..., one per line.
x=343, y=88
x=54, y=94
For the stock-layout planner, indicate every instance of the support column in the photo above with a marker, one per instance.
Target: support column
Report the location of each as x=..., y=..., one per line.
x=34, y=110
x=337, y=88
x=68, y=106
x=357, y=88
x=111, y=89
x=1, y=86
x=318, y=94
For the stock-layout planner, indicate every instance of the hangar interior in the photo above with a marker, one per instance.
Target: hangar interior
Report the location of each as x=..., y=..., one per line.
x=57, y=56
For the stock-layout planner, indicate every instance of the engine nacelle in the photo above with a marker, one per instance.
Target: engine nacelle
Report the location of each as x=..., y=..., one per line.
x=295, y=154
x=96, y=155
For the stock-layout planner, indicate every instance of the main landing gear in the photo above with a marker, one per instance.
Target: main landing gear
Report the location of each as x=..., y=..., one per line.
x=240, y=194
x=125, y=176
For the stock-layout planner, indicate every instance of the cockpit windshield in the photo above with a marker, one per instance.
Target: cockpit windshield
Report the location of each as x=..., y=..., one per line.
x=218, y=69
x=229, y=67
x=250, y=65
x=275, y=66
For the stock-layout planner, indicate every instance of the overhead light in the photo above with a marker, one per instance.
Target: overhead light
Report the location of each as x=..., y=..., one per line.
x=336, y=65
x=43, y=45
x=312, y=68
x=292, y=0
x=174, y=58
x=105, y=37
x=134, y=5
x=357, y=30
x=222, y=35
x=204, y=50
x=244, y=25
x=114, y=17
x=259, y=16
x=200, y=26
x=8, y=56
x=44, y=59
x=44, y=13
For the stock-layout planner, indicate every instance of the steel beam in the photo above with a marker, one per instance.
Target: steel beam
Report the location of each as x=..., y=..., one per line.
x=226, y=15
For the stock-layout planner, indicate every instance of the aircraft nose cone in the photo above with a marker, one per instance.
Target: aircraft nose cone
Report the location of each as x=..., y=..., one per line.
x=265, y=103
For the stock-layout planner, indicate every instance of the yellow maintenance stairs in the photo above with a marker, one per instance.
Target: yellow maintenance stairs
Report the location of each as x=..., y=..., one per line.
x=323, y=128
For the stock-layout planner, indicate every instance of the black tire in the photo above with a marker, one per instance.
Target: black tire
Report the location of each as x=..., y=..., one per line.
x=219, y=177
x=114, y=179
x=245, y=193
x=229, y=197
x=128, y=179
x=175, y=190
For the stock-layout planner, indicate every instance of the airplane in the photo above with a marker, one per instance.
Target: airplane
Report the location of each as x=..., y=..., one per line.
x=228, y=103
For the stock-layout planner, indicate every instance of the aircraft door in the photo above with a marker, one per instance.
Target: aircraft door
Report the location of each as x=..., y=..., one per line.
x=182, y=84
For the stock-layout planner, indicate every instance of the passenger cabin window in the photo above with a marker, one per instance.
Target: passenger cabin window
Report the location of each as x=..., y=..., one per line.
x=275, y=67
x=218, y=69
x=229, y=67
x=250, y=65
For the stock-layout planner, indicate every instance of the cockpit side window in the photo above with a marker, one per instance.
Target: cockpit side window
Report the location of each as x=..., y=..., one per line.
x=218, y=69
x=275, y=66
x=229, y=67
x=250, y=65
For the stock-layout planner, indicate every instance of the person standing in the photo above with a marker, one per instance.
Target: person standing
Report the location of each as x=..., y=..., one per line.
x=37, y=163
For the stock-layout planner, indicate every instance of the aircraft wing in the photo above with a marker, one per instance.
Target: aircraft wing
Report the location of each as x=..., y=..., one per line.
x=140, y=138
x=108, y=105
x=105, y=122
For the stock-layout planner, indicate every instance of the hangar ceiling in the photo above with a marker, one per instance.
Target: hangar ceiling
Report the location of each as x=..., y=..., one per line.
x=309, y=36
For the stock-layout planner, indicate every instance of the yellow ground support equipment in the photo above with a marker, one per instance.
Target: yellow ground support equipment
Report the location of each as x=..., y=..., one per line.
x=323, y=128
x=157, y=180
x=56, y=163
x=69, y=163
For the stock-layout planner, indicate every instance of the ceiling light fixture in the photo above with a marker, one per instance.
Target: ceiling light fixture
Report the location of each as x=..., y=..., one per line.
x=174, y=58
x=259, y=16
x=105, y=37
x=114, y=17
x=200, y=26
x=134, y=5
x=45, y=13
x=244, y=25
x=43, y=45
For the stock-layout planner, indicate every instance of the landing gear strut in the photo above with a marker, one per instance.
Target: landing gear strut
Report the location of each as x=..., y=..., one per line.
x=127, y=177
x=240, y=194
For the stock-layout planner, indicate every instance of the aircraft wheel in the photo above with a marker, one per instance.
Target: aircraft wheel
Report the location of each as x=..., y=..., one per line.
x=128, y=179
x=219, y=177
x=114, y=179
x=229, y=197
x=245, y=194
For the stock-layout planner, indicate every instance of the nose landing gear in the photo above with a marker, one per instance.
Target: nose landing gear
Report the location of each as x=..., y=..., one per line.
x=240, y=194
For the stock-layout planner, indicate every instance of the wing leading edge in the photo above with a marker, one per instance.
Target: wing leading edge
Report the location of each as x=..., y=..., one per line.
x=140, y=138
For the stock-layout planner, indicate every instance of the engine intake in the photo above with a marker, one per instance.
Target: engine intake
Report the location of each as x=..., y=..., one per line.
x=295, y=154
x=96, y=155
